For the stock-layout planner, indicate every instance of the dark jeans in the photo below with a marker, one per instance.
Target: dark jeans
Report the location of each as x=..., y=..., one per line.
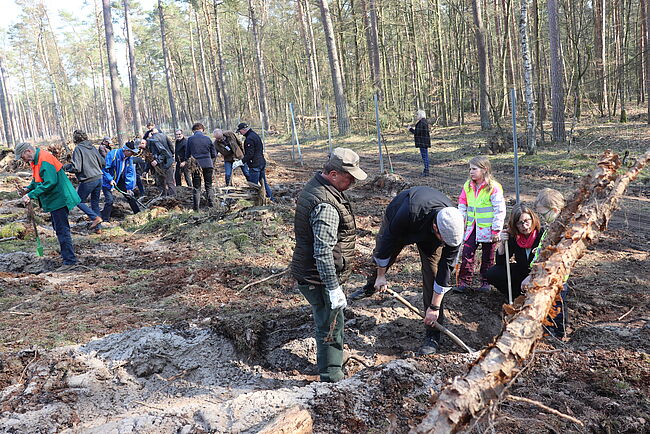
x=429, y=260
x=329, y=355
x=257, y=175
x=62, y=229
x=165, y=181
x=185, y=171
x=467, y=265
x=207, y=178
x=109, y=198
x=424, y=153
x=94, y=189
x=227, y=166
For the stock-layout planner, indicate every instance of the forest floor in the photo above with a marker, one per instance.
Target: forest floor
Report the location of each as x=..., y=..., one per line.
x=157, y=335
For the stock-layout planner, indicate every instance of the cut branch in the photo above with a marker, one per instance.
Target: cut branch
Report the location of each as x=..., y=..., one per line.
x=580, y=223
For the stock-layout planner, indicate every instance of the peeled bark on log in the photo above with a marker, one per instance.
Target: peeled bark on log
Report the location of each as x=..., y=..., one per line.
x=291, y=421
x=579, y=224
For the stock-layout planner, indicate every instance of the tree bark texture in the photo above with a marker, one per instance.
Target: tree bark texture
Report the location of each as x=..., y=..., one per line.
x=600, y=55
x=118, y=104
x=168, y=78
x=256, y=27
x=4, y=107
x=133, y=72
x=557, y=73
x=578, y=226
x=483, y=80
x=337, y=79
x=531, y=140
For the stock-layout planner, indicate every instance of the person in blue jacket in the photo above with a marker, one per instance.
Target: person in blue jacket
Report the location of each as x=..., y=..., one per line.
x=119, y=172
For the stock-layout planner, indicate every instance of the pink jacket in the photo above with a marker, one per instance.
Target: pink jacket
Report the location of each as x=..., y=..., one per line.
x=484, y=235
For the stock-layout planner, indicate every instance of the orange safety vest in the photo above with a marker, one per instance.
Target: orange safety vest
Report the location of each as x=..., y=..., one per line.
x=44, y=156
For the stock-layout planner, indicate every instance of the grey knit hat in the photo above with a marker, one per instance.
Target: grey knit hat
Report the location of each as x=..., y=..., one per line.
x=20, y=148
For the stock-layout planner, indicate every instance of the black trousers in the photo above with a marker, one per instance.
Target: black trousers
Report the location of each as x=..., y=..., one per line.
x=497, y=276
x=429, y=260
x=207, y=178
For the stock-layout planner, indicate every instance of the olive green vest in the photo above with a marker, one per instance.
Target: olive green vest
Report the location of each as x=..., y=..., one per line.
x=303, y=265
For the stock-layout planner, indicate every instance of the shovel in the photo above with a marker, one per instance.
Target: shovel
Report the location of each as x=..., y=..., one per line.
x=436, y=326
x=131, y=196
x=31, y=216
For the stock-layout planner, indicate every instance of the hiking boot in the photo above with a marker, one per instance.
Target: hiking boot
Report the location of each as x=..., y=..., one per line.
x=360, y=293
x=425, y=173
x=462, y=289
x=430, y=346
x=484, y=288
x=96, y=222
x=196, y=199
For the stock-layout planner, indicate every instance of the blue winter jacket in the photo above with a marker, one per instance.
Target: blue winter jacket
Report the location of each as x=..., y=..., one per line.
x=117, y=165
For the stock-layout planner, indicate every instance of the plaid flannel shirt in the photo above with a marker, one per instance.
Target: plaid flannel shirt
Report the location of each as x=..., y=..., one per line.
x=324, y=221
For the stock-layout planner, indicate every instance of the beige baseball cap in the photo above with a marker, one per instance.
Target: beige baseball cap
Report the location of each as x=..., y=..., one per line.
x=346, y=160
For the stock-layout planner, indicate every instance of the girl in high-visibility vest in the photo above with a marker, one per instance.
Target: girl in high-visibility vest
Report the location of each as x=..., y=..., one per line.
x=484, y=208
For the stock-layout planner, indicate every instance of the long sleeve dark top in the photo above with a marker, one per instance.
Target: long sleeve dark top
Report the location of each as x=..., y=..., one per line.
x=161, y=148
x=202, y=149
x=421, y=133
x=179, y=150
x=253, y=150
x=410, y=217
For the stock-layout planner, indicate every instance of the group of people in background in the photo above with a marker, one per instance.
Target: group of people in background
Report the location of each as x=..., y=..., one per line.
x=110, y=170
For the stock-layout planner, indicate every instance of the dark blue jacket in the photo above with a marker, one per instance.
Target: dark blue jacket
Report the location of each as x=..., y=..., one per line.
x=117, y=165
x=253, y=150
x=201, y=148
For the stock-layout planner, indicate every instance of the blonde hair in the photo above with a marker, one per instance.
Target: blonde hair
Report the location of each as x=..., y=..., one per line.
x=482, y=162
x=549, y=198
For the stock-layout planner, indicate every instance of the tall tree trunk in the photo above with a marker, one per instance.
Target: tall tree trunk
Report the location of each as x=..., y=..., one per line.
x=337, y=80
x=599, y=49
x=168, y=78
x=204, y=73
x=621, y=38
x=195, y=70
x=442, y=65
x=646, y=5
x=483, y=79
x=133, y=72
x=370, y=17
x=256, y=28
x=528, y=79
x=4, y=106
x=118, y=104
x=302, y=13
x=557, y=73
x=108, y=113
x=58, y=113
x=221, y=68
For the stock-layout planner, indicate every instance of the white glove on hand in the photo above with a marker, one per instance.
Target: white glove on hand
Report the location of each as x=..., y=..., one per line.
x=337, y=298
x=236, y=164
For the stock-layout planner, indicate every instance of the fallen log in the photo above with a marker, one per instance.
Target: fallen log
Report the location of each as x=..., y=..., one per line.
x=292, y=421
x=587, y=213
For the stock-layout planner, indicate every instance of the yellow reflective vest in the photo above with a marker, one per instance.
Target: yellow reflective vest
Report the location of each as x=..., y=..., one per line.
x=479, y=208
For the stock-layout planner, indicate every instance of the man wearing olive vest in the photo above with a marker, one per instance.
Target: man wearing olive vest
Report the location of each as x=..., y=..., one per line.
x=55, y=193
x=325, y=233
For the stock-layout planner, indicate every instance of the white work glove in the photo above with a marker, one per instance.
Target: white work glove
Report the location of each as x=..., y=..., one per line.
x=236, y=164
x=337, y=298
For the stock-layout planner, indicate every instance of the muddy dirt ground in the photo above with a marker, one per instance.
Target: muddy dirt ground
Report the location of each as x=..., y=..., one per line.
x=155, y=334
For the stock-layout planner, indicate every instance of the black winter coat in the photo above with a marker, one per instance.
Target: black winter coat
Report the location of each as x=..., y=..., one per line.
x=253, y=150
x=421, y=133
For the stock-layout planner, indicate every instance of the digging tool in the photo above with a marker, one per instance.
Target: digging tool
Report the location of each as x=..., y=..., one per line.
x=131, y=196
x=31, y=216
x=436, y=325
x=505, y=245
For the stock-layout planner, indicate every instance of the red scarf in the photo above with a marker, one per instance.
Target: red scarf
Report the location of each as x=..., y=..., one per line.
x=526, y=242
